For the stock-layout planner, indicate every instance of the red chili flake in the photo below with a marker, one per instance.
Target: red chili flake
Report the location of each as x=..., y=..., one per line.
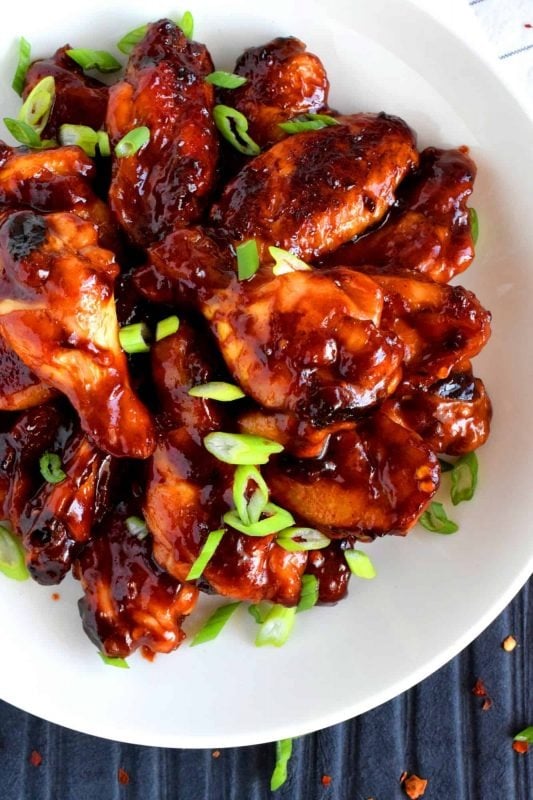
x=216, y=753
x=479, y=689
x=326, y=780
x=36, y=758
x=123, y=777
x=55, y=595
x=487, y=703
x=413, y=786
x=528, y=25
x=520, y=747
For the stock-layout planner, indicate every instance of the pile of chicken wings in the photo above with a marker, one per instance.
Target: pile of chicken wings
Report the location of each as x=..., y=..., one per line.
x=359, y=366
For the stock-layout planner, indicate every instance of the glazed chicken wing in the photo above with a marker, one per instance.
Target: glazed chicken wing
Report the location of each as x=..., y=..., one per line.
x=129, y=602
x=429, y=229
x=20, y=388
x=79, y=99
x=57, y=313
x=169, y=179
x=283, y=81
x=314, y=191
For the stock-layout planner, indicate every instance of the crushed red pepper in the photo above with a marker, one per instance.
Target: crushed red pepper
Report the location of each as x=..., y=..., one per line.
x=55, y=595
x=479, y=689
x=216, y=753
x=36, y=758
x=521, y=747
x=326, y=780
x=413, y=786
x=123, y=777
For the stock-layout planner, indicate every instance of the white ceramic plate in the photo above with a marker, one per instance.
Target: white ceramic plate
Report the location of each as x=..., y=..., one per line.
x=434, y=594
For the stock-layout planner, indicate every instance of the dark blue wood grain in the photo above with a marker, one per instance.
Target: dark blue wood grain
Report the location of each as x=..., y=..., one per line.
x=437, y=730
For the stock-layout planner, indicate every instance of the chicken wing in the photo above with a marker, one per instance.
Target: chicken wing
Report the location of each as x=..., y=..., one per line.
x=129, y=602
x=284, y=80
x=20, y=388
x=168, y=180
x=314, y=191
x=331, y=570
x=57, y=313
x=428, y=231
x=79, y=99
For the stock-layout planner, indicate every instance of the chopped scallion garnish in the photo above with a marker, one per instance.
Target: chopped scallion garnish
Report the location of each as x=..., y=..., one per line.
x=445, y=466
x=249, y=505
x=128, y=42
x=277, y=519
x=132, y=141
x=298, y=540
x=436, y=520
x=206, y=554
x=240, y=448
x=234, y=128
x=12, y=561
x=212, y=627
x=137, y=527
x=464, y=478
x=50, y=467
x=247, y=259
x=360, y=564
x=525, y=736
x=121, y=663
x=260, y=611
x=36, y=108
x=277, y=627
x=186, y=24
x=26, y=135
x=286, y=261
x=85, y=137
x=134, y=338
x=226, y=80
x=24, y=62
x=283, y=754
x=308, y=122
x=100, y=60
x=474, y=224
x=217, y=390
x=166, y=327
x=309, y=593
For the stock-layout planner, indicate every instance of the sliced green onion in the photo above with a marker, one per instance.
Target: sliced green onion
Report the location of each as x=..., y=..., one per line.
x=308, y=122
x=309, y=593
x=186, y=24
x=36, y=108
x=212, y=627
x=436, y=520
x=225, y=117
x=134, y=338
x=206, y=554
x=50, y=467
x=166, y=327
x=85, y=137
x=249, y=507
x=464, y=478
x=277, y=627
x=298, y=540
x=132, y=141
x=128, y=42
x=137, y=527
x=12, y=561
x=445, y=466
x=100, y=60
x=26, y=135
x=217, y=390
x=240, y=448
x=474, y=224
x=360, y=564
x=226, y=80
x=24, y=62
x=260, y=611
x=286, y=262
x=247, y=259
x=283, y=754
x=525, y=736
x=277, y=520
x=121, y=663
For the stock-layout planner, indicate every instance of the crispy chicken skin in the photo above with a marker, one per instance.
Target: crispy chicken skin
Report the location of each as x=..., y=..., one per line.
x=58, y=179
x=429, y=229
x=307, y=342
x=284, y=80
x=129, y=602
x=79, y=99
x=314, y=191
x=188, y=490
x=373, y=480
x=57, y=312
x=168, y=181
